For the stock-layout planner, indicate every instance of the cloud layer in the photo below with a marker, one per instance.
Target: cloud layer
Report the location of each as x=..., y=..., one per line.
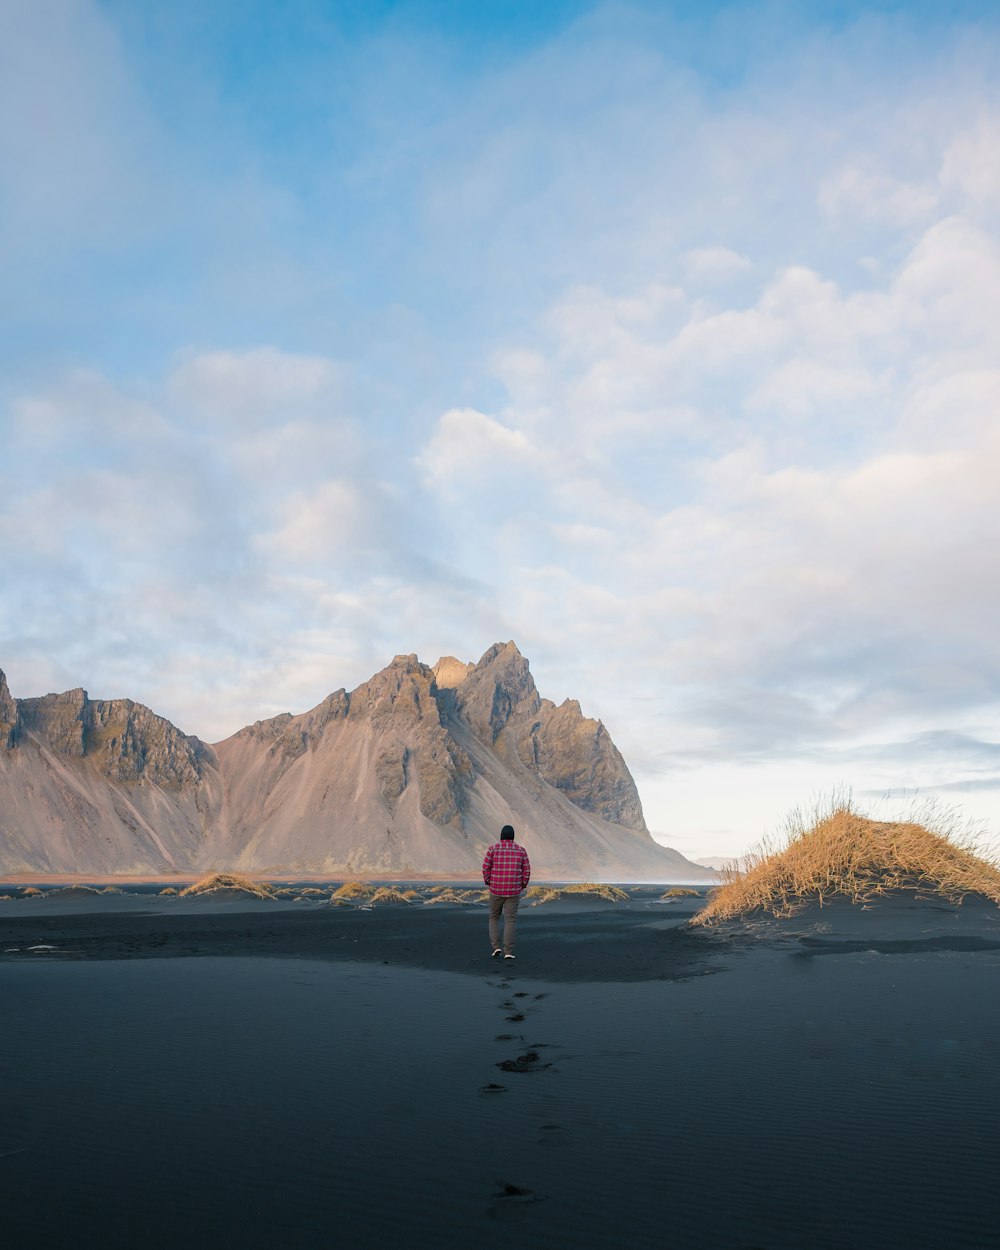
x=677, y=365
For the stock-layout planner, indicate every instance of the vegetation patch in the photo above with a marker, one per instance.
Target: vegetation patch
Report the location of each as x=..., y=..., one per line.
x=848, y=855
x=385, y=894
x=169, y=890
x=538, y=894
x=221, y=881
x=351, y=890
x=678, y=892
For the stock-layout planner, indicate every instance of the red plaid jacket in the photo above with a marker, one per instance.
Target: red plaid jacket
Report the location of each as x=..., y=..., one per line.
x=506, y=868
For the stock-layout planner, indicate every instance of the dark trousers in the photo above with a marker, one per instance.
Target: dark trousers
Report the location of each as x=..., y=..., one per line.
x=508, y=906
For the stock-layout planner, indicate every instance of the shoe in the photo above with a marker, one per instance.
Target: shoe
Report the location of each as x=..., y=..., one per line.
x=508, y=956
x=496, y=952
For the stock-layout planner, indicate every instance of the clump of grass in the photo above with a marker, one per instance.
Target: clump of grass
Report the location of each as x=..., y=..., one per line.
x=849, y=855
x=169, y=890
x=352, y=889
x=410, y=895
x=539, y=894
x=450, y=895
x=311, y=891
x=386, y=894
x=610, y=893
x=31, y=891
x=444, y=895
x=677, y=891
x=219, y=881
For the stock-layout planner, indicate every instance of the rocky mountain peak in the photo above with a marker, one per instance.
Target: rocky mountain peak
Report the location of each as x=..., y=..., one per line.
x=8, y=715
x=121, y=739
x=402, y=692
x=496, y=690
x=449, y=672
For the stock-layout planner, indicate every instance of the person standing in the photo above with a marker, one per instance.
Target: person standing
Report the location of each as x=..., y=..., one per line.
x=506, y=871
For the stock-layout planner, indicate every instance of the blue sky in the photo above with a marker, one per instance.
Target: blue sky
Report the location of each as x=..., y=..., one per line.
x=663, y=339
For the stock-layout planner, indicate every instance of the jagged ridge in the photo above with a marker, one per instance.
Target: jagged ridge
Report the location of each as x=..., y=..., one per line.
x=413, y=771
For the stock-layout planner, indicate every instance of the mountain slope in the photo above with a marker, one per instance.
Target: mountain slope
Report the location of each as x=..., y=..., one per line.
x=413, y=772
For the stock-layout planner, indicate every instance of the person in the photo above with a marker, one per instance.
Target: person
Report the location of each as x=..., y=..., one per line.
x=506, y=871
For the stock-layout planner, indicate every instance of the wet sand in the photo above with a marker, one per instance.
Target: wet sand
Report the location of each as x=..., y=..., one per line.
x=258, y=1074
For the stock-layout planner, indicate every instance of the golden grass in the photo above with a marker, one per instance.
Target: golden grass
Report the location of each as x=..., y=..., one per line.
x=611, y=893
x=169, y=890
x=385, y=894
x=451, y=895
x=594, y=889
x=540, y=893
x=848, y=855
x=31, y=891
x=446, y=895
x=678, y=892
x=228, y=881
x=111, y=889
x=353, y=889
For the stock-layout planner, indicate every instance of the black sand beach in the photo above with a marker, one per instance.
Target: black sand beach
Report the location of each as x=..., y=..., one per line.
x=202, y=1072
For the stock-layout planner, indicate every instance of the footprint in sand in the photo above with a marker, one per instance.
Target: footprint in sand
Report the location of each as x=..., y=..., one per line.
x=551, y=1135
x=509, y=1037
x=511, y=1202
x=516, y=1018
x=489, y=1091
x=530, y=1061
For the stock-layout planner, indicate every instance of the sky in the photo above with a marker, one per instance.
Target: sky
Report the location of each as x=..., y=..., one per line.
x=661, y=338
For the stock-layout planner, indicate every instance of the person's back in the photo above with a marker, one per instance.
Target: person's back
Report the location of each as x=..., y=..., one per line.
x=506, y=872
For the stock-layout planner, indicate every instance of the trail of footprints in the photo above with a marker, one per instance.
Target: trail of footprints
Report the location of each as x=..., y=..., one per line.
x=510, y=1201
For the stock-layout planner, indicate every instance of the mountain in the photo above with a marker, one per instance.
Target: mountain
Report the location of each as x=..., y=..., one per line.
x=415, y=771
x=719, y=863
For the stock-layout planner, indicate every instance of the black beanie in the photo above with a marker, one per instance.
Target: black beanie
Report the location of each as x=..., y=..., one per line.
x=507, y=832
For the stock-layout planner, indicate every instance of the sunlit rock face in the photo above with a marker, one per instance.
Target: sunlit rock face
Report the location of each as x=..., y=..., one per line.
x=497, y=699
x=415, y=771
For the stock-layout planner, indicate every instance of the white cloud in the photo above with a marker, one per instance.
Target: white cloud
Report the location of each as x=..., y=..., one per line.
x=706, y=267
x=877, y=196
x=468, y=445
x=261, y=387
x=971, y=164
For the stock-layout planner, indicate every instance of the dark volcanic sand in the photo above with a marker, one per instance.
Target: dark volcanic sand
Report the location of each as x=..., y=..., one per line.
x=833, y=1087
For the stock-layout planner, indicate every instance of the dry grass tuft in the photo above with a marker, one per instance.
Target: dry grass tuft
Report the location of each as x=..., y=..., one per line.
x=846, y=854
x=386, y=894
x=677, y=891
x=169, y=890
x=353, y=889
x=611, y=893
x=539, y=894
x=31, y=891
x=219, y=881
x=450, y=895
x=446, y=895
